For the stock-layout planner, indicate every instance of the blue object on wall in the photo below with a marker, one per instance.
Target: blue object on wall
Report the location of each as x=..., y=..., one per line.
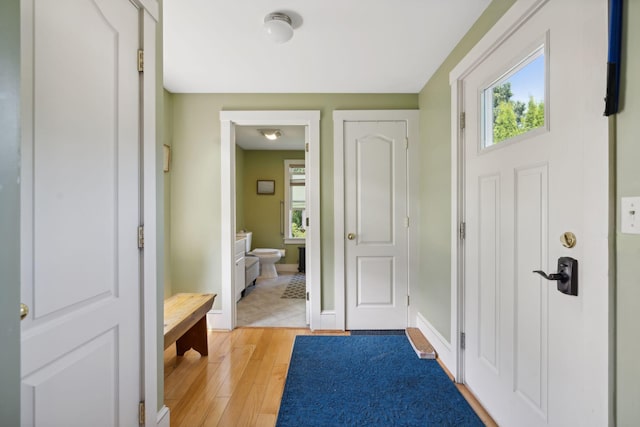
x=613, y=63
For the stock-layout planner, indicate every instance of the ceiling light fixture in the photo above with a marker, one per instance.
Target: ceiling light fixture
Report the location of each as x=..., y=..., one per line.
x=278, y=27
x=270, y=134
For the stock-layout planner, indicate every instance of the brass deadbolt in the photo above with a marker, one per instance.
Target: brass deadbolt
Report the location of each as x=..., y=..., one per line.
x=568, y=239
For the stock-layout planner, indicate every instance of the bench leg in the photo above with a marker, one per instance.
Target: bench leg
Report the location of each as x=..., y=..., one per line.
x=195, y=338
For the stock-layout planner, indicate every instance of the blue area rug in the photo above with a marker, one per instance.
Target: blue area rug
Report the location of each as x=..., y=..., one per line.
x=373, y=380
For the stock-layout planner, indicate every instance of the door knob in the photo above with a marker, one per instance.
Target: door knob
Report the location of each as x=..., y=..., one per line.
x=567, y=275
x=351, y=236
x=24, y=311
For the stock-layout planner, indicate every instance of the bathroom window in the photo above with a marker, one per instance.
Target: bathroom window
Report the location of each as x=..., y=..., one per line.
x=295, y=201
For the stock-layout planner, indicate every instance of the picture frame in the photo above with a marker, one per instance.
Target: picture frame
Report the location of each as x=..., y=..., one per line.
x=266, y=186
x=166, y=151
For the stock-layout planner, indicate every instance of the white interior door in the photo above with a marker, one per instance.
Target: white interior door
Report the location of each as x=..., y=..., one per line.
x=528, y=345
x=376, y=221
x=80, y=213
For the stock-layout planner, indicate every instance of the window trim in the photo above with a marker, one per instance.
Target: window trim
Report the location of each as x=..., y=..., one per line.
x=287, y=202
x=538, y=48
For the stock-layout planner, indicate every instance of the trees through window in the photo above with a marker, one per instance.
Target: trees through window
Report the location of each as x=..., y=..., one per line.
x=515, y=103
x=295, y=201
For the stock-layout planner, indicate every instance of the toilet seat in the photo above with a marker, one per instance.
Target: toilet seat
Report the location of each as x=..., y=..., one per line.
x=265, y=251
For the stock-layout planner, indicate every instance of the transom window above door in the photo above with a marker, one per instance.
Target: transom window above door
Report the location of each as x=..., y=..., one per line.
x=514, y=104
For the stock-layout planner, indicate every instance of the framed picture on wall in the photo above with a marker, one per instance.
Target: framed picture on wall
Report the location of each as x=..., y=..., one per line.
x=266, y=186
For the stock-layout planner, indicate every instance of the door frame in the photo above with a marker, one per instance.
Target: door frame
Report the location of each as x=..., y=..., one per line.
x=229, y=119
x=597, y=219
x=337, y=318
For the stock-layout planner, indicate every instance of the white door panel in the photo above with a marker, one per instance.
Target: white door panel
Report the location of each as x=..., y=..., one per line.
x=525, y=341
x=375, y=213
x=81, y=196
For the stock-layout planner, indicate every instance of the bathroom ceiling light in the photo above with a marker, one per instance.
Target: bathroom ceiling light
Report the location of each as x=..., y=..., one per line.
x=278, y=27
x=270, y=134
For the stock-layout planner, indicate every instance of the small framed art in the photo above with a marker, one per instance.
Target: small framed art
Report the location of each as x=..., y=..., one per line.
x=266, y=186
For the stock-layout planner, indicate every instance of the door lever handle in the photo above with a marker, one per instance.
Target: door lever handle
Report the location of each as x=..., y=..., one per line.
x=567, y=275
x=562, y=277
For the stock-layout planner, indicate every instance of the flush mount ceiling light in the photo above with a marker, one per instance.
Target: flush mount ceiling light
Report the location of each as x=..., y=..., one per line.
x=270, y=134
x=278, y=27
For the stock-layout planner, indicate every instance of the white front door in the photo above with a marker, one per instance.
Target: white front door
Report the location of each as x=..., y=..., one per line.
x=376, y=224
x=81, y=270
x=529, y=356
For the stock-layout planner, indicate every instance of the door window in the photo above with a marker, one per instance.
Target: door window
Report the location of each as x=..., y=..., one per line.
x=514, y=104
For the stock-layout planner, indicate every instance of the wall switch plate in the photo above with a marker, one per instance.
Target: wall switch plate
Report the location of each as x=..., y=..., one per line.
x=630, y=215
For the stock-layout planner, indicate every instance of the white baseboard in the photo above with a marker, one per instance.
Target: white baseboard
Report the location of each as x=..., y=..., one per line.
x=164, y=417
x=439, y=343
x=216, y=320
x=327, y=320
x=286, y=267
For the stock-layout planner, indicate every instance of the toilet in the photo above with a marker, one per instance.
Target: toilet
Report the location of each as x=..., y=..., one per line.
x=267, y=257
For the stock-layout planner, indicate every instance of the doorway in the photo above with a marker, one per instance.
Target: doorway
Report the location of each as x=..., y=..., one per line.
x=271, y=212
x=376, y=197
x=533, y=151
x=233, y=123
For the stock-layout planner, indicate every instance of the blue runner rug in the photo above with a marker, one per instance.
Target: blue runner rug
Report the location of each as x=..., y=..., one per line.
x=368, y=381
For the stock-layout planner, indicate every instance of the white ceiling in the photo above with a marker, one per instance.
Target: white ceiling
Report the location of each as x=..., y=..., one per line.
x=338, y=46
x=249, y=138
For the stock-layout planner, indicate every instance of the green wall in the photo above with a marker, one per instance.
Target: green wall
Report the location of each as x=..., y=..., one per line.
x=195, y=180
x=262, y=212
x=9, y=212
x=433, y=299
x=628, y=246
x=240, y=188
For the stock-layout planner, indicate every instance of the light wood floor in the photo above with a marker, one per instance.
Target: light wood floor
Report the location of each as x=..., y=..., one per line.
x=241, y=382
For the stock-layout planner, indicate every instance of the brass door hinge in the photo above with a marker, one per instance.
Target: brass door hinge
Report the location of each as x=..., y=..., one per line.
x=141, y=237
x=306, y=147
x=141, y=417
x=140, y=60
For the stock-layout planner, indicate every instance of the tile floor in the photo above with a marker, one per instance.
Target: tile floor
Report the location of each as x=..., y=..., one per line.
x=262, y=305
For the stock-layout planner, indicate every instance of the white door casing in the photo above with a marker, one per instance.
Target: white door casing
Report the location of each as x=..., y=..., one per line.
x=228, y=120
x=372, y=217
x=81, y=181
x=533, y=355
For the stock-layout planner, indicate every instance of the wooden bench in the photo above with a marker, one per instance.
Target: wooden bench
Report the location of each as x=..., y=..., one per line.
x=185, y=322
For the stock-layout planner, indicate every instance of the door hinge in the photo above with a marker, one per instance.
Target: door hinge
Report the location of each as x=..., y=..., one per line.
x=307, y=221
x=463, y=120
x=408, y=300
x=463, y=230
x=140, y=60
x=141, y=417
x=406, y=143
x=463, y=340
x=306, y=147
x=307, y=296
x=406, y=221
x=141, y=237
